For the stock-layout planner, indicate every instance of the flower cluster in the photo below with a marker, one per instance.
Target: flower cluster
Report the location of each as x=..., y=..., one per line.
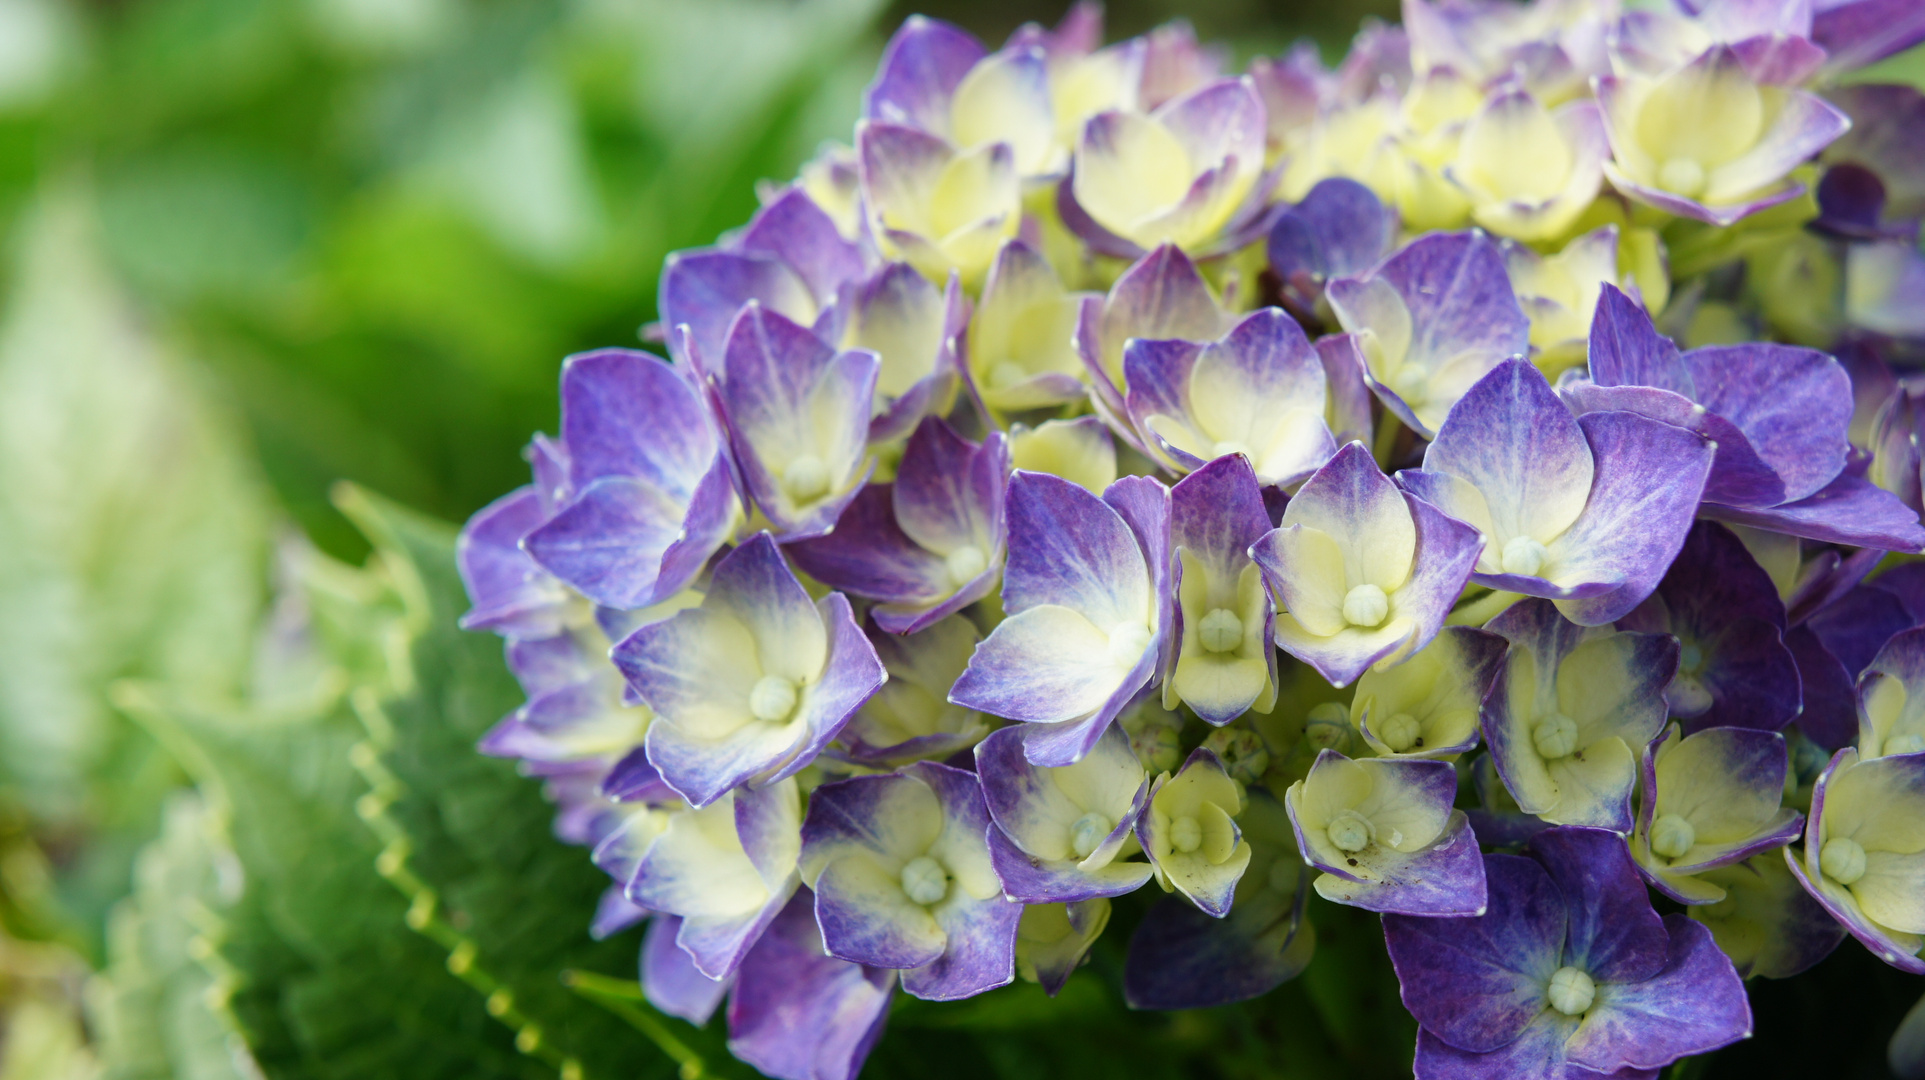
x=1113, y=470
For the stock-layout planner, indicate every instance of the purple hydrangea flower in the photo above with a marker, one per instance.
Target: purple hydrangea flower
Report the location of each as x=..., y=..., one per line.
x=1062, y=834
x=1189, y=173
x=1864, y=852
x=751, y=685
x=910, y=717
x=927, y=545
x=1363, y=573
x=1571, y=711
x=798, y=418
x=1779, y=415
x=1709, y=800
x=1384, y=834
x=725, y=870
x=1190, y=833
x=1258, y=391
x=914, y=329
x=1223, y=662
x=1569, y=970
x=1427, y=706
x=1700, y=142
x=903, y=879
x=1430, y=321
x=653, y=494
x=1734, y=668
x=1161, y=297
x=1586, y=511
x=1087, y=592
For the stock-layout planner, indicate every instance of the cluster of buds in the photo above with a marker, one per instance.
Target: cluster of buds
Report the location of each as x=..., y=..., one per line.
x=1113, y=471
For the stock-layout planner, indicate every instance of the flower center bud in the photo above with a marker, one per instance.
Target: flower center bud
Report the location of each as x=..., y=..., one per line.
x=1006, y=374
x=1128, y=641
x=965, y=563
x=1089, y=833
x=1682, y=176
x=1904, y=744
x=1349, y=831
x=1523, y=555
x=1571, y=991
x=1401, y=732
x=924, y=880
x=1690, y=656
x=805, y=478
x=1842, y=860
x=1220, y=631
x=1366, y=606
x=1228, y=447
x=772, y=698
x=1186, y=834
x=1555, y=737
x=1672, y=836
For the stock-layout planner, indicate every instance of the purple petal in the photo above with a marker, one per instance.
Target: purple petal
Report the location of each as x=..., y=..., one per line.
x=703, y=290
x=1180, y=958
x=920, y=71
x=671, y=981
x=1793, y=404
x=510, y=593
x=869, y=555
x=1830, y=716
x=1649, y=476
x=1343, y=369
x=1160, y=297
x=1071, y=548
x=1849, y=510
x=1694, y=1004
x=798, y=1013
x=1627, y=350
x=1614, y=935
x=614, y=913
x=1857, y=33
x=980, y=953
x=1043, y=881
x=798, y=233
x=1339, y=228
x=1478, y=982
x=1856, y=626
x=1739, y=477
x=949, y=491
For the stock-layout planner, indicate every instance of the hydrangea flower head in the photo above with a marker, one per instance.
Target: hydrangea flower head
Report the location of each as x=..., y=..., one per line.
x=1109, y=469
